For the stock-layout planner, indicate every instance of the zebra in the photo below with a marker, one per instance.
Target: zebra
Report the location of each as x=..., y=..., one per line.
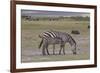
x=64, y=37
x=46, y=41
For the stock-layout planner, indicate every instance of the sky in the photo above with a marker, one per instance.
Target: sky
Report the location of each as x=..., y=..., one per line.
x=51, y=13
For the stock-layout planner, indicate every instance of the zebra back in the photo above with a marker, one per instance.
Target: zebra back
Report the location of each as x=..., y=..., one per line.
x=62, y=35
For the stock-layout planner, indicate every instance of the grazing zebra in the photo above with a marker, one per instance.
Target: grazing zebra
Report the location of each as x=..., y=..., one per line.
x=46, y=41
x=64, y=37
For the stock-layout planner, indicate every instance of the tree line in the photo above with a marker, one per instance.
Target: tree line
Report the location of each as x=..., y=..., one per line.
x=76, y=18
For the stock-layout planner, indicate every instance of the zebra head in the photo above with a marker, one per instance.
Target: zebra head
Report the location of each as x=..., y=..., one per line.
x=74, y=49
x=72, y=42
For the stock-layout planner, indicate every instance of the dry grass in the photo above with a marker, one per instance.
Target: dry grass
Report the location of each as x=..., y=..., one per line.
x=30, y=40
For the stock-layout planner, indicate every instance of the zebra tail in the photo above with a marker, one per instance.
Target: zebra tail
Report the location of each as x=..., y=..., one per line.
x=41, y=43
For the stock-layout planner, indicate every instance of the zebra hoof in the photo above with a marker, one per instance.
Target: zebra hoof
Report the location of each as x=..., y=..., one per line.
x=64, y=53
x=54, y=54
x=43, y=54
x=74, y=53
x=59, y=53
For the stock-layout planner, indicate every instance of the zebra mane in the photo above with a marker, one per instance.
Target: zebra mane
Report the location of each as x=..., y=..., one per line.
x=72, y=38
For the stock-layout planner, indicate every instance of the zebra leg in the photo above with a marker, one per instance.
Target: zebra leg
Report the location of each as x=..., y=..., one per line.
x=60, y=49
x=63, y=49
x=47, y=49
x=43, y=50
x=53, y=49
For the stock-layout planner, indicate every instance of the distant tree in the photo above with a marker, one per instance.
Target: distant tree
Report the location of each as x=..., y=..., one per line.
x=80, y=18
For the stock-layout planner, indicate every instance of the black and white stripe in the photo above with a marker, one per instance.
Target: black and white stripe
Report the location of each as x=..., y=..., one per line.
x=50, y=34
x=64, y=37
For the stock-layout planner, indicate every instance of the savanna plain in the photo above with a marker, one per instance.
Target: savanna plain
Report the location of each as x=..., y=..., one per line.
x=30, y=30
